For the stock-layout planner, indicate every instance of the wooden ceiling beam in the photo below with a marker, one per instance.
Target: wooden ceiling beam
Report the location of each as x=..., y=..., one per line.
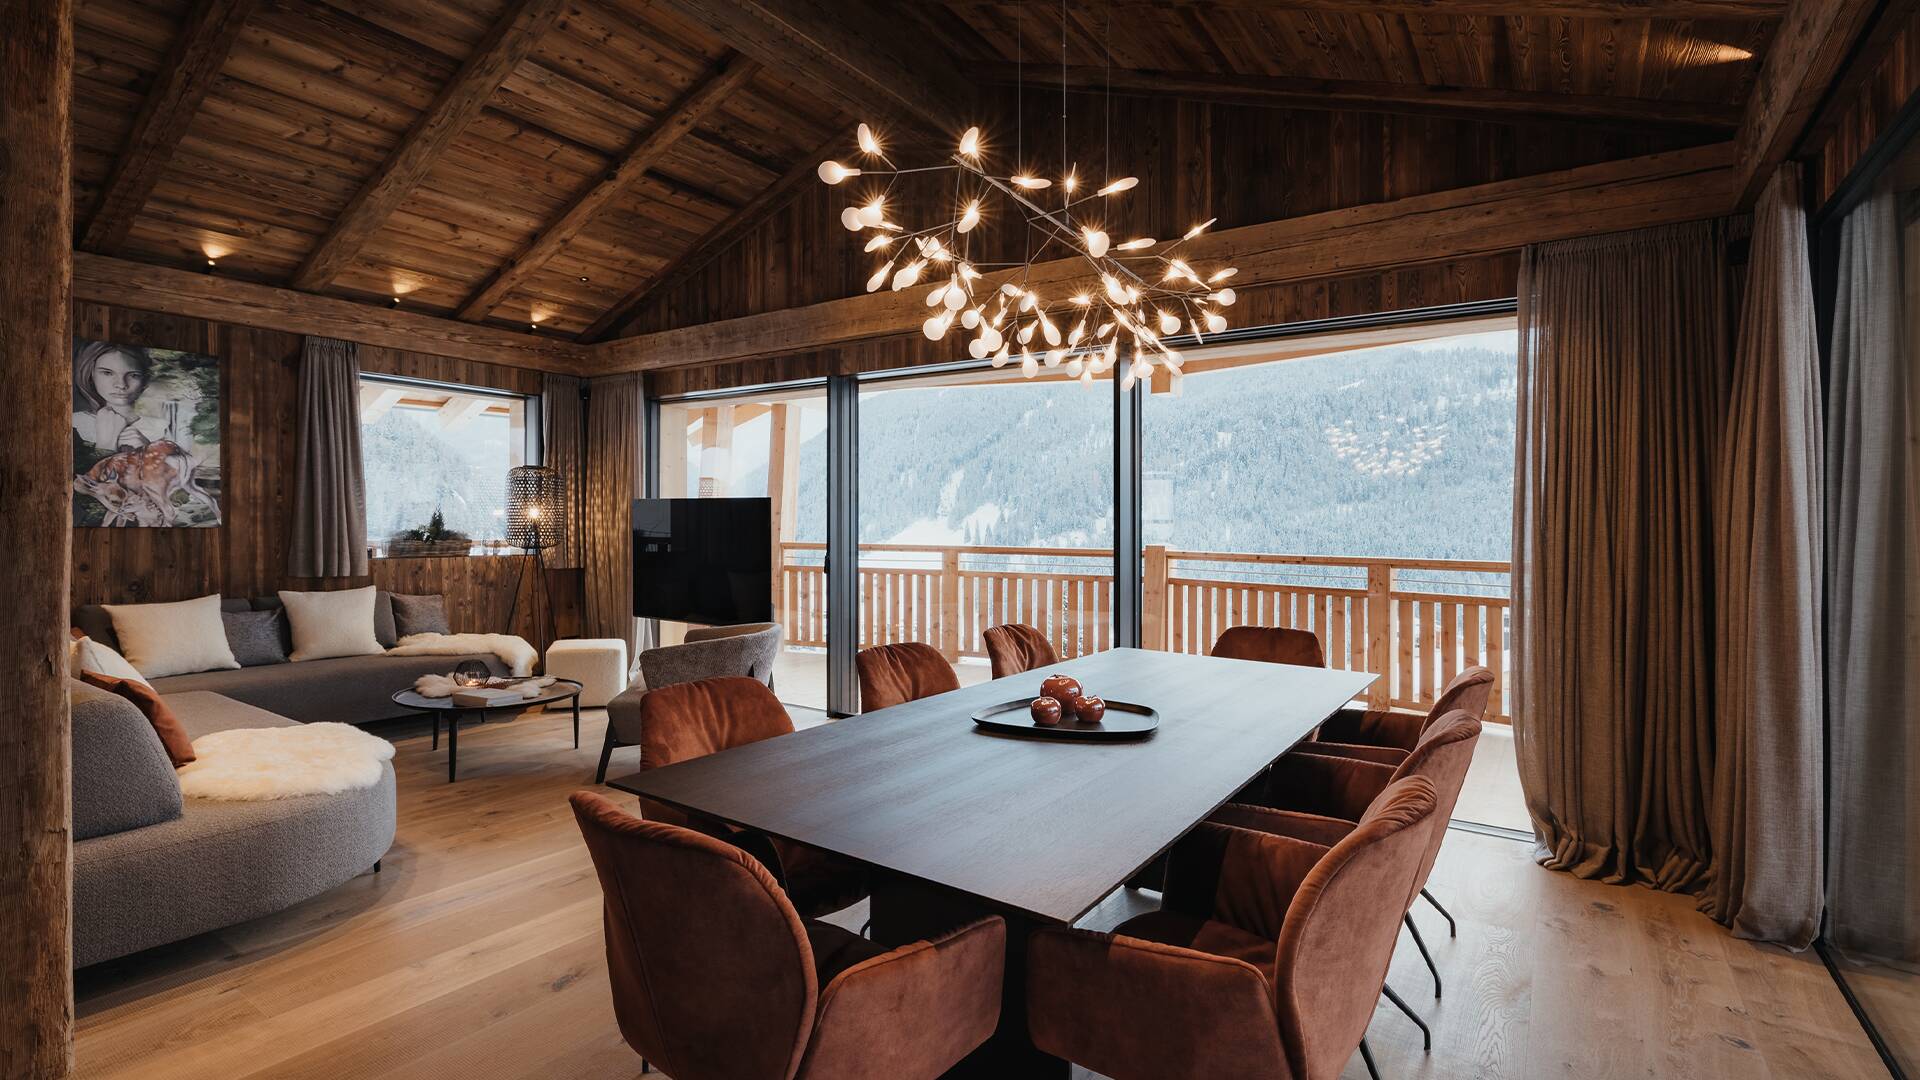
x=1682, y=185
x=459, y=102
x=179, y=86
x=106, y=280
x=718, y=239
x=1571, y=9
x=854, y=53
x=1809, y=50
x=680, y=118
x=1292, y=92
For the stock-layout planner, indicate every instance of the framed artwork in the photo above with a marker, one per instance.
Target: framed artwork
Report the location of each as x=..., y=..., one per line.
x=146, y=437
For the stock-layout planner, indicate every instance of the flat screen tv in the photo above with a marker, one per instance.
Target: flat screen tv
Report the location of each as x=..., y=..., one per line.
x=703, y=561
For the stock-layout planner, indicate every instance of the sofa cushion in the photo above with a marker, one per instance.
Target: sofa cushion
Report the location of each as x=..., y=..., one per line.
x=384, y=630
x=91, y=655
x=420, y=614
x=121, y=776
x=173, y=737
x=337, y=622
x=93, y=621
x=173, y=639
x=203, y=712
x=254, y=637
x=348, y=689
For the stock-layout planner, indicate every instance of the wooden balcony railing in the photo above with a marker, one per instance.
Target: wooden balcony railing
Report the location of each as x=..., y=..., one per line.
x=1414, y=622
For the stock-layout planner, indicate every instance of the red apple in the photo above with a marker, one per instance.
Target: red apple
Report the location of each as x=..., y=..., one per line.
x=1090, y=709
x=1046, y=711
x=1062, y=688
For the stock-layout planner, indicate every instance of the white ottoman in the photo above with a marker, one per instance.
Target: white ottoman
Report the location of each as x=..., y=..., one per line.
x=598, y=664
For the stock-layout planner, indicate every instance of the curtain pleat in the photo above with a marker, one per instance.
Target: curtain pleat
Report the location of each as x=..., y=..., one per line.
x=1767, y=777
x=563, y=437
x=329, y=490
x=1622, y=366
x=615, y=447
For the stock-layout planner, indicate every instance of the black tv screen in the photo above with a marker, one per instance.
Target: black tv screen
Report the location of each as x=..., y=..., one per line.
x=704, y=561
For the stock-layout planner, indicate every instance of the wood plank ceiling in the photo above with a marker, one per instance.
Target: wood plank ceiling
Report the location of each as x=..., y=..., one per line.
x=552, y=161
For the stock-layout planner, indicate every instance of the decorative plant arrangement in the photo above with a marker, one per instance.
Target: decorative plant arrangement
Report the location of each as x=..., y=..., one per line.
x=432, y=540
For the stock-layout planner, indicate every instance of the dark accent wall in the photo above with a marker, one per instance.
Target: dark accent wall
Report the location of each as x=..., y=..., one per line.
x=246, y=556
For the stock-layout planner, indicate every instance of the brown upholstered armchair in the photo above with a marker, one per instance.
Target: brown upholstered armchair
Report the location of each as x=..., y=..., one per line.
x=1271, y=644
x=690, y=720
x=1320, y=798
x=1386, y=736
x=708, y=652
x=906, y=671
x=1016, y=647
x=716, y=975
x=1265, y=960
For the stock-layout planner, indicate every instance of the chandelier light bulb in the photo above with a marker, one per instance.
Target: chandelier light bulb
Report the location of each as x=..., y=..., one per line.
x=1070, y=181
x=1031, y=183
x=970, y=318
x=977, y=348
x=970, y=143
x=1000, y=358
x=936, y=327
x=1125, y=183
x=1169, y=323
x=969, y=217
x=879, y=277
x=1216, y=322
x=1097, y=242
x=1086, y=376
x=1138, y=243
x=956, y=296
x=908, y=274
x=850, y=217
x=1198, y=229
x=879, y=241
x=1025, y=336
x=1127, y=380
x=869, y=144
x=833, y=172
x=1054, y=356
x=1222, y=275
x=1075, y=366
x=1029, y=366
x=1225, y=297
x=872, y=214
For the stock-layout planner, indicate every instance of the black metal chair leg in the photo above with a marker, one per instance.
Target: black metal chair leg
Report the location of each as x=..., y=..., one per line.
x=1426, y=1033
x=645, y=1066
x=1366, y=1055
x=866, y=928
x=576, y=721
x=436, y=731
x=1453, y=929
x=606, y=754
x=1425, y=955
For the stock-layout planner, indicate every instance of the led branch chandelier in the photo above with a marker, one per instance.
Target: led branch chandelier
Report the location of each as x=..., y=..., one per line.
x=1138, y=293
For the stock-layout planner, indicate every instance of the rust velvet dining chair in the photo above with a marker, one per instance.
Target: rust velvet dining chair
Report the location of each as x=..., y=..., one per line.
x=1265, y=961
x=902, y=672
x=1270, y=644
x=717, y=977
x=694, y=719
x=1016, y=647
x=1386, y=735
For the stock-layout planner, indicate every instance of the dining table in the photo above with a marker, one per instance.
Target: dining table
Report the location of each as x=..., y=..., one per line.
x=957, y=821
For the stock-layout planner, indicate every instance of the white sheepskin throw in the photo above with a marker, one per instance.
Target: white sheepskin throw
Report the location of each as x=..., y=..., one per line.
x=512, y=649
x=257, y=764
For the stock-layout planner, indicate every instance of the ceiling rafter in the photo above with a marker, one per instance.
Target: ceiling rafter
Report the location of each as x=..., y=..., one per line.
x=179, y=86
x=1574, y=9
x=513, y=36
x=1295, y=92
x=1813, y=43
x=680, y=119
x=722, y=236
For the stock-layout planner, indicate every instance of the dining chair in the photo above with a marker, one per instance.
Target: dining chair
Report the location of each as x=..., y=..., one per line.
x=1386, y=735
x=1272, y=644
x=1321, y=798
x=902, y=672
x=708, y=652
x=716, y=975
x=1016, y=647
x=691, y=720
x=1266, y=958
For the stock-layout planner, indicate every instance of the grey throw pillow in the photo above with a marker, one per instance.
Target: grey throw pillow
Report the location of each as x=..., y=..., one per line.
x=420, y=614
x=383, y=627
x=254, y=637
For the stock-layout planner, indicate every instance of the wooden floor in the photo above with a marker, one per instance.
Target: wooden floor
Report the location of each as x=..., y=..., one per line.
x=476, y=955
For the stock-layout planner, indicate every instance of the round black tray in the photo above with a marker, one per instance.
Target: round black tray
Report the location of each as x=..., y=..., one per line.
x=1123, y=720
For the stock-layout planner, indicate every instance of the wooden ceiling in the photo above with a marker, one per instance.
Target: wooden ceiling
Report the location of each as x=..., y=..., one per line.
x=551, y=161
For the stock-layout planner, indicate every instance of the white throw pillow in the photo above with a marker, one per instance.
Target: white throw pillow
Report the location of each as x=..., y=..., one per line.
x=334, y=623
x=173, y=639
x=90, y=655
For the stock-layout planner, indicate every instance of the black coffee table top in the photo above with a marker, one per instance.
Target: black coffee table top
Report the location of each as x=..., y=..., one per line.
x=560, y=690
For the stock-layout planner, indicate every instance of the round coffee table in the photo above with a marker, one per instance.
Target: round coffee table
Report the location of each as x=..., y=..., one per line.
x=560, y=690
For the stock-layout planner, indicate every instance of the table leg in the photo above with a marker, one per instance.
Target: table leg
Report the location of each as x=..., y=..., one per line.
x=435, y=713
x=576, y=721
x=906, y=910
x=453, y=743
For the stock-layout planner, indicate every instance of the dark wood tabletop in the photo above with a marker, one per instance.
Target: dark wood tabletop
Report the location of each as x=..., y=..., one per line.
x=1039, y=827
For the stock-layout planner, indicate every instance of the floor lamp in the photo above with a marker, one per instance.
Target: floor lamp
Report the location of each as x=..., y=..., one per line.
x=536, y=521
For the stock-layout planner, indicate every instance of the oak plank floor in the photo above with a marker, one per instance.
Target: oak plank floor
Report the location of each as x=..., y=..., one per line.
x=477, y=953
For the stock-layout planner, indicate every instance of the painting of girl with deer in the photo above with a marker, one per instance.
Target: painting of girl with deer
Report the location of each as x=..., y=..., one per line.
x=146, y=437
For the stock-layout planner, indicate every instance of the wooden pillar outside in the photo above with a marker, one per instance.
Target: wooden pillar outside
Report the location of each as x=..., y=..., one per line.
x=673, y=452
x=1153, y=598
x=716, y=451
x=1380, y=633
x=36, y=461
x=783, y=487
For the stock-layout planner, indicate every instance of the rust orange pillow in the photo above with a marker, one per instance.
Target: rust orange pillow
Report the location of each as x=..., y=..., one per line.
x=166, y=725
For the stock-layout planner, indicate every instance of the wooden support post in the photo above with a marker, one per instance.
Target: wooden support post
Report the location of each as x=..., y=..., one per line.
x=36, y=460
x=673, y=451
x=950, y=604
x=1380, y=633
x=783, y=488
x=1153, y=598
x=716, y=451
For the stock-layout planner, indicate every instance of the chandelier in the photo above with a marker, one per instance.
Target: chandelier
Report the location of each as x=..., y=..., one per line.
x=1134, y=296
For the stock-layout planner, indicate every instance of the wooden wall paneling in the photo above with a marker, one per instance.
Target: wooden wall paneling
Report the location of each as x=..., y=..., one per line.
x=1865, y=104
x=36, y=820
x=1792, y=83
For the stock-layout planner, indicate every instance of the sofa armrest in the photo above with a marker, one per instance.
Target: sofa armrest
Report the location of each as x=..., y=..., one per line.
x=912, y=1011
x=1123, y=1006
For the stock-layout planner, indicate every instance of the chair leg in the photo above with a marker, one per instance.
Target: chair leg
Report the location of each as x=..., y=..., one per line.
x=606, y=754
x=1453, y=929
x=866, y=928
x=1425, y=955
x=1366, y=1055
x=1426, y=1033
x=646, y=1066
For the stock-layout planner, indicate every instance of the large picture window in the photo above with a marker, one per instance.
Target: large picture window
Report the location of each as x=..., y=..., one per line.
x=438, y=452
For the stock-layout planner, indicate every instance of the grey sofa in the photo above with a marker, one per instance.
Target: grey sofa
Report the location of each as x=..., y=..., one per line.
x=347, y=689
x=151, y=867
x=709, y=652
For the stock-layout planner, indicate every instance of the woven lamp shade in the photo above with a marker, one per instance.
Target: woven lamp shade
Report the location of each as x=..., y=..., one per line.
x=536, y=508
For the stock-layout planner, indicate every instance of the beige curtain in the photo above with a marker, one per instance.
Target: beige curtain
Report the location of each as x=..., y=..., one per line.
x=1767, y=800
x=329, y=535
x=1623, y=353
x=563, y=437
x=616, y=444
